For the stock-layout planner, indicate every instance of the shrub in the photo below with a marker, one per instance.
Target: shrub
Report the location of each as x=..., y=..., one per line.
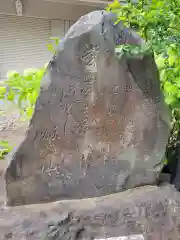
x=23, y=89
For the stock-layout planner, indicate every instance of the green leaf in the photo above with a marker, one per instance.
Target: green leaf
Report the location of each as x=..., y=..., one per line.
x=170, y=88
x=170, y=100
x=11, y=95
x=115, y=5
x=160, y=61
x=51, y=48
x=5, y=148
x=2, y=92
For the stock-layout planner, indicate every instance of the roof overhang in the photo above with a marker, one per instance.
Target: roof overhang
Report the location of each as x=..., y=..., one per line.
x=53, y=9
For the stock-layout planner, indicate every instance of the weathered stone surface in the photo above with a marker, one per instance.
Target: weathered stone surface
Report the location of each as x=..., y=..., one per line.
x=151, y=211
x=100, y=124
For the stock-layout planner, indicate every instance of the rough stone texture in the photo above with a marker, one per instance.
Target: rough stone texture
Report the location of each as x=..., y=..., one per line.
x=151, y=211
x=100, y=124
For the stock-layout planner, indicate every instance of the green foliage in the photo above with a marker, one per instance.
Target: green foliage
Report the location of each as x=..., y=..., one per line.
x=2, y=91
x=5, y=148
x=55, y=42
x=132, y=51
x=158, y=23
x=23, y=89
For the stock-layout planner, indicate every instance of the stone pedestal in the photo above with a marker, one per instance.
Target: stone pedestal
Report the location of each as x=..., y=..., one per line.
x=151, y=213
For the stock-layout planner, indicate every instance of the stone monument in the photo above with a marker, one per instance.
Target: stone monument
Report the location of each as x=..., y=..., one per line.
x=100, y=124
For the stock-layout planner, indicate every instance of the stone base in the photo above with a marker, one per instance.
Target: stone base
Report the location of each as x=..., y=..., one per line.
x=149, y=212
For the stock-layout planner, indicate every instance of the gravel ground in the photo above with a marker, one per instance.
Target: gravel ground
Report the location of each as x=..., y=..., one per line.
x=11, y=128
x=13, y=131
